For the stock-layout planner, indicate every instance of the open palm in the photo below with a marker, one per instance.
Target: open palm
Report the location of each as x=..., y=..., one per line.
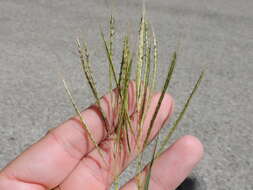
x=65, y=159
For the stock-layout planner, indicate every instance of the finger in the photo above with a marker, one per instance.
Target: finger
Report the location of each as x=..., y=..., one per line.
x=93, y=173
x=51, y=159
x=172, y=167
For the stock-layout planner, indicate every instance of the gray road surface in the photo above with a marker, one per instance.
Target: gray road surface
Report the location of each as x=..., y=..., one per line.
x=37, y=41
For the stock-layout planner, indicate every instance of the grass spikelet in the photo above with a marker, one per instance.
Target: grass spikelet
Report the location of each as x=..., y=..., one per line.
x=165, y=87
x=175, y=125
x=82, y=119
x=140, y=59
x=148, y=175
x=86, y=66
x=144, y=89
x=155, y=62
x=111, y=37
x=109, y=57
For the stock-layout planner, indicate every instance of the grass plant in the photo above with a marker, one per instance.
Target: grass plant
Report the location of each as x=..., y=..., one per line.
x=145, y=66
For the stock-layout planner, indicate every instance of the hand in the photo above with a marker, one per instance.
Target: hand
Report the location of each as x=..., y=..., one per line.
x=65, y=159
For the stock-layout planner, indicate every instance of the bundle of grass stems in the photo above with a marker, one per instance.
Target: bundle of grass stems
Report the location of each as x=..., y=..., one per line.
x=145, y=79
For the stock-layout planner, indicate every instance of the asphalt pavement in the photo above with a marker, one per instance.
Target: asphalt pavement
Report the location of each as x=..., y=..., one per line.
x=37, y=41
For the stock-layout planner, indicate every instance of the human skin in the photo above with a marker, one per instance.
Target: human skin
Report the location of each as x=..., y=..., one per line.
x=66, y=159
